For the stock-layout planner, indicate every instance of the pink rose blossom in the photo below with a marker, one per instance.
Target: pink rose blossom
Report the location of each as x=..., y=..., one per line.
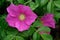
x=48, y=20
x=20, y=17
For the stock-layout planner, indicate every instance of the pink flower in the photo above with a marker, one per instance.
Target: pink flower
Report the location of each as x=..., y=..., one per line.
x=48, y=20
x=20, y=17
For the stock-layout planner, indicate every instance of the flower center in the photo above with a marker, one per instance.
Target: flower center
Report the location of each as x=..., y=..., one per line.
x=22, y=17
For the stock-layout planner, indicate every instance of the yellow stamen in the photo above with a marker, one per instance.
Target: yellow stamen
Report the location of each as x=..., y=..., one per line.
x=22, y=17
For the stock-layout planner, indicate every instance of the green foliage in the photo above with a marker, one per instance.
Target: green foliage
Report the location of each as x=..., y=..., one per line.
x=36, y=36
x=21, y=1
x=50, y=7
x=37, y=23
x=1, y=2
x=33, y=5
x=46, y=29
x=40, y=7
x=12, y=37
x=46, y=37
x=43, y=2
x=57, y=3
x=57, y=15
x=3, y=23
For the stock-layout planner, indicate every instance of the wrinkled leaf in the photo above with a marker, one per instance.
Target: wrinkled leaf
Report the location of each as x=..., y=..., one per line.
x=37, y=23
x=33, y=5
x=9, y=37
x=50, y=7
x=57, y=3
x=46, y=37
x=57, y=15
x=43, y=2
x=36, y=36
x=19, y=38
x=13, y=37
x=46, y=29
x=21, y=1
x=3, y=23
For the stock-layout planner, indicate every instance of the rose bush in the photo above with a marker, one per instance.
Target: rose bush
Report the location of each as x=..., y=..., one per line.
x=29, y=19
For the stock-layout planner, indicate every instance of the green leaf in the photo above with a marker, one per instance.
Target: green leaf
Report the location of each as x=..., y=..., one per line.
x=2, y=3
x=37, y=23
x=50, y=7
x=3, y=33
x=57, y=15
x=9, y=37
x=11, y=31
x=37, y=1
x=46, y=37
x=21, y=1
x=3, y=23
x=11, y=1
x=19, y=38
x=13, y=37
x=57, y=9
x=43, y=2
x=33, y=5
x=36, y=36
x=27, y=2
x=57, y=3
x=46, y=29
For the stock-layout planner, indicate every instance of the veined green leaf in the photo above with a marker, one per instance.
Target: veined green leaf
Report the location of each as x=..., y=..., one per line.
x=19, y=38
x=36, y=36
x=13, y=37
x=33, y=5
x=46, y=29
x=21, y=1
x=9, y=37
x=43, y=2
x=46, y=37
x=57, y=15
x=37, y=23
x=57, y=3
x=50, y=7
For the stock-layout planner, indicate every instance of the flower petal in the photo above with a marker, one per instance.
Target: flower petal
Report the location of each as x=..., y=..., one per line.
x=24, y=8
x=11, y=20
x=30, y=19
x=50, y=24
x=48, y=20
x=21, y=26
x=13, y=10
x=47, y=17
